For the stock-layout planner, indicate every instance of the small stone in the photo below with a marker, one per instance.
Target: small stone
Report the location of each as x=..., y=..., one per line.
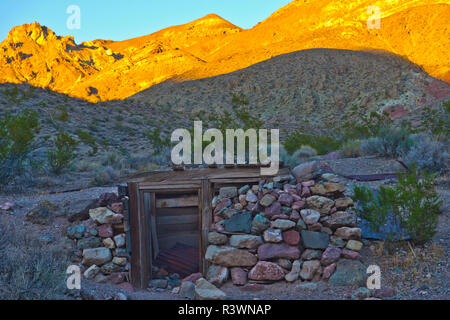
x=98, y=256
x=309, y=254
x=328, y=271
x=217, y=238
x=244, y=189
x=228, y=192
x=259, y=224
x=315, y=240
x=274, y=210
x=121, y=252
x=251, y=197
x=330, y=256
x=298, y=205
x=217, y=275
x=230, y=257
x=310, y=216
x=348, y=233
x=207, y=291
x=340, y=219
x=87, y=243
x=266, y=271
x=239, y=223
x=291, y=237
x=354, y=245
x=105, y=231
x=238, y=276
x=116, y=207
x=301, y=225
x=187, y=290
x=306, y=171
x=270, y=251
x=267, y=200
x=309, y=269
x=343, y=203
x=245, y=241
x=117, y=277
x=119, y=261
x=282, y=224
x=105, y=216
x=100, y=278
x=75, y=232
x=193, y=277
x=91, y=272
x=120, y=240
x=43, y=214
x=321, y=204
x=350, y=254
x=286, y=199
x=295, y=272
x=284, y=263
x=349, y=273
x=273, y=235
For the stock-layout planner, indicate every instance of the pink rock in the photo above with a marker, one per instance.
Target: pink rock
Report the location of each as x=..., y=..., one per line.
x=238, y=276
x=265, y=270
x=222, y=204
x=274, y=209
x=296, y=197
x=298, y=187
x=126, y=286
x=329, y=270
x=330, y=256
x=291, y=237
x=9, y=205
x=193, y=277
x=117, y=207
x=105, y=231
x=297, y=205
x=349, y=254
x=305, y=192
x=270, y=251
x=308, y=184
x=295, y=216
x=286, y=199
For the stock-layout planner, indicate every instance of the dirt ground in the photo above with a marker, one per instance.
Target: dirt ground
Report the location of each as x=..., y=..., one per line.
x=415, y=272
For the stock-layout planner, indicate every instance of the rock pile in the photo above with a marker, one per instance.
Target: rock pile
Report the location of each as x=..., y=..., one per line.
x=298, y=226
x=100, y=242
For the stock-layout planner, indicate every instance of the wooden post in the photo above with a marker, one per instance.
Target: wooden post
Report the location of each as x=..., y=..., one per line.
x=206, y=222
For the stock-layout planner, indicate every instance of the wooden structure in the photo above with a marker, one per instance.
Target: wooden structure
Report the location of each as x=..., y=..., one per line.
x=172, y=204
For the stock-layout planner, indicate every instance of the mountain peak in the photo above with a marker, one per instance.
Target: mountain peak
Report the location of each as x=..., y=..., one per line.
x=32, y=31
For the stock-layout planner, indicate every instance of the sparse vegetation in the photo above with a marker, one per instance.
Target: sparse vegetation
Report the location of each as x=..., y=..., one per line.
x=412, y=204
x=60, y=157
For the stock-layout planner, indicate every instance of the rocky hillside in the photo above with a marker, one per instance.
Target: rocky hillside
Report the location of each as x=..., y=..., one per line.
x=102, y=70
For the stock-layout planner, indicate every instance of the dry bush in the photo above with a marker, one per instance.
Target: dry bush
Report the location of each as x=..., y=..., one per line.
x=29, y=270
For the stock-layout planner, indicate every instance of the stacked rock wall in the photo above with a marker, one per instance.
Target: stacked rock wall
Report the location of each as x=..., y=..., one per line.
x=287, y=229
x=101, y=242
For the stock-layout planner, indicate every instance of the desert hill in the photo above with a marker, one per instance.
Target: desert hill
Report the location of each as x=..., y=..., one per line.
x=101, y=70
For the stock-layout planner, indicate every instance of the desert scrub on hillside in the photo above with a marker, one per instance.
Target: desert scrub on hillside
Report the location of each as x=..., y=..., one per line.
x=17, y=141
x=63, y=153
x=351, y=149
x=390, y=142
x=88, y=139
x=322, y=143
x=28, y=269
x=412, y=204
x=428, y=153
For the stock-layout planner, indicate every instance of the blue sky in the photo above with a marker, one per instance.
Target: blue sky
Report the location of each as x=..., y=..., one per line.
x=119, y=19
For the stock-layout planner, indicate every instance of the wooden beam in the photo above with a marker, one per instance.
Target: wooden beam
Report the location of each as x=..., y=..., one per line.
x=153, y=223
x=178, y=202
x=135, y=236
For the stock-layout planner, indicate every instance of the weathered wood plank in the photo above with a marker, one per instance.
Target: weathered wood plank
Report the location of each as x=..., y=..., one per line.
x=178, y=202
x=165, y=220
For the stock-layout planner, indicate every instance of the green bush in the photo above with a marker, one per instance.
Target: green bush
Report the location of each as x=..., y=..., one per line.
x=322, y=143
x=61, y=156
x=89, y=140
x=156, y=141
x=427, y=153
x=17, y=141
x=351, y=149
x=414, y=203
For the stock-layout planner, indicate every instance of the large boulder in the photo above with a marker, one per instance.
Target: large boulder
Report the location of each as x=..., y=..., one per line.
x=230, y=257
x=315, y=240
x=187, y=290
x=266, y=271
x=349, y=273
x=43, y=214
x=270, y=251
x=205, y=290
x=306, y=171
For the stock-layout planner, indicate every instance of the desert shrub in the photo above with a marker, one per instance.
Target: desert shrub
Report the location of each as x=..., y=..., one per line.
x=104, y=176
x=61, y=156
x=29, y=270
x=112, y=159
x=437, y=121
x=390, y=142
x=351, y=149
x=62, y=114
x=88, y=139
x=414, y=203
x=156, y=141
x=17, y=141
x=428, y=153
x=322, y=143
